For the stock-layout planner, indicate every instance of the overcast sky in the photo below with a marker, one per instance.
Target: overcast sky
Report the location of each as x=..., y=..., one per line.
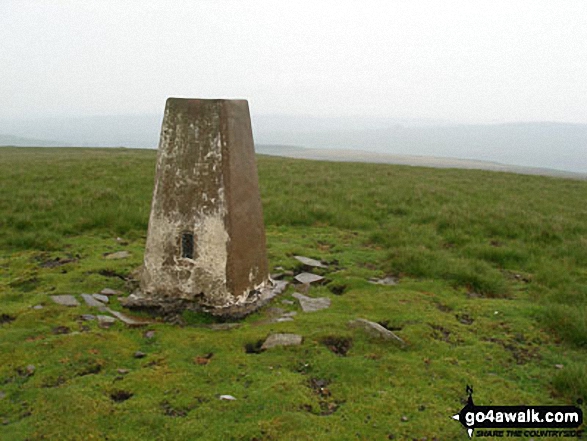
x=462, y=61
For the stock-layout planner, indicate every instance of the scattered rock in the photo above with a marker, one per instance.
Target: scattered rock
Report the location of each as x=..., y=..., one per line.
x=122, y=371
x=149, y=334
x=282, y=340
x=139, y=354
x=307, y=278
x=310, y=262
x=274, y=311
x=101, y=298
x=404, y=418
x=65, y=300
x=389, y=281
x=37, y=307
x=30, y=370
x=58, y=261
x=132, y=322
x=105, y=321
x=376, y=330
x=92, y=302
x=118, y=255
x=226, y=397
x=310, y=304
x=559, y=366
x=109, y=292
x=283, y=319
x=290, y=314
x=287, y=302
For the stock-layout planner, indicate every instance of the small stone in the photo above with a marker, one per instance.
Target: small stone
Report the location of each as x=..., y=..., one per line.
x=149, y=334
x=310, y=262
x=559, y=366
x=101, y=298
x=122, y=371
x=105, y=321
x=310, y=304
x=91, y=301
x=290, y=314
x=37, y=307
x=227, y=397
x=121, y=241
x=129, y=321
x=307, y=278
x=282, y=340
x=109, y=292
x=389, y=281
x=404, y=418
x=118, y=255
x=284, y=319
x=139, y=354
x=88, y=317
x=65, y=300
x=287, y=302
x=30, y=369
x=376, y=330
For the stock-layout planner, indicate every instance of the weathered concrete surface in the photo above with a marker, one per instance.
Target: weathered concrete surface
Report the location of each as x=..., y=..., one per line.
x=206, y=188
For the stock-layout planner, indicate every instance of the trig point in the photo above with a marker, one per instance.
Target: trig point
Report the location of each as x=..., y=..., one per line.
x=206, y=240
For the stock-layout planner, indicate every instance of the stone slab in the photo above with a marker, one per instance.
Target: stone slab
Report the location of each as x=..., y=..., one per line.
x=282, y=340
x=308, y=278
x=117, y=255
x=91, y=301
x=376, y=330
x=109, y=292
x=310, y=304
x=100, y=298
x=310, y=262
x=65, y=300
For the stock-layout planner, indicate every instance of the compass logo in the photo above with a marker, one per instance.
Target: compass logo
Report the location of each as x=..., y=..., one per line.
x=474, y=417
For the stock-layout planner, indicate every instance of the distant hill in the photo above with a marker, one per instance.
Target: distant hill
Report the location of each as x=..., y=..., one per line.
x=538, y=144
x=17, y=141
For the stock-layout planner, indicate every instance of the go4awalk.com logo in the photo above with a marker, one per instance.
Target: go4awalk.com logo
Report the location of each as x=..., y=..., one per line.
x=534, y=421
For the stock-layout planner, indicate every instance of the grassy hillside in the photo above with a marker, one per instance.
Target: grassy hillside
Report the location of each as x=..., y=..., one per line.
x=492, y=292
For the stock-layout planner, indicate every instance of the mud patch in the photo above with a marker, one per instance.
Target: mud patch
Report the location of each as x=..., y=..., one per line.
x=118, y=396
x=338, y=345
x=443, y=334
x=254, y=348
x=169, y=410
x=6, y=318
x=520, y=352
x=465, y=319
x=326, y=404
x=337, y=288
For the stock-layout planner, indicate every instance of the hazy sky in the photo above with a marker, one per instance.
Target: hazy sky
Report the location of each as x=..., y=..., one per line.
x=464, y=61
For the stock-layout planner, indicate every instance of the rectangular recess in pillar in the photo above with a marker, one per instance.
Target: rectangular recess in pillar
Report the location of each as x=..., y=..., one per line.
x=187, y=245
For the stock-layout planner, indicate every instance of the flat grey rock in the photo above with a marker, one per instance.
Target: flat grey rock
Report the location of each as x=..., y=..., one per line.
x=283, y=319
x=289, y=314
x=307, y=278
x=117, y=255
x=282, y=340
x=91, y=301
x=310, y=304
x=37, y=307
x=65, y=300
x=133, y=322
x=226, y=398
x=287, y=302
x=389, y=281
x=310, y=262
x=105, y=321
x=109, y=292
x=88, y=317
x=376, y=330
x=100, y=298
x=222, y=326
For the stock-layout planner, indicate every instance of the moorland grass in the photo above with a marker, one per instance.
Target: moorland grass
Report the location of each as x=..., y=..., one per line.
x=493, y=292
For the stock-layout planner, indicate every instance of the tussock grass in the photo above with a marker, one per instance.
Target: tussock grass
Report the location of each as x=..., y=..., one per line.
x=492, y=292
